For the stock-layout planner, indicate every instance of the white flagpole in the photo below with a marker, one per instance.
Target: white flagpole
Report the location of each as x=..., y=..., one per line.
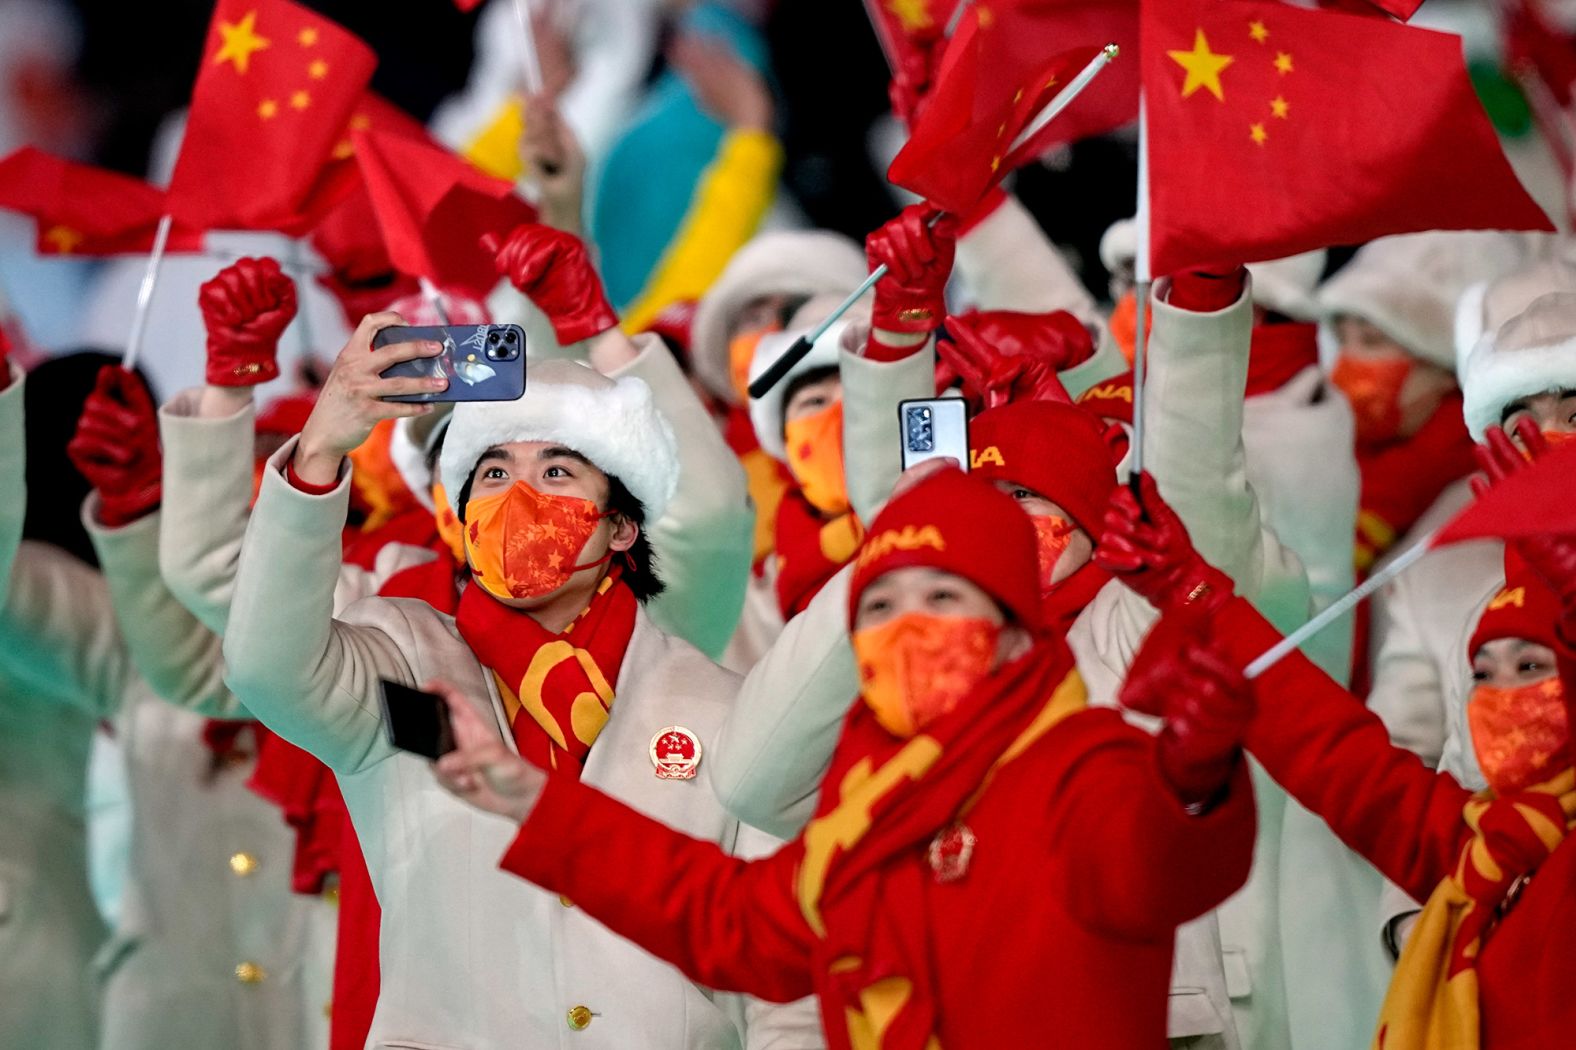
x=1141, y=289
x=150, y=277
x=532, y=63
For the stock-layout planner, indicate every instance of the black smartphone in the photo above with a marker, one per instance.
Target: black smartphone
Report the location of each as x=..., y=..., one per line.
x=933, y=428
x=415, y=721
x=482, y=362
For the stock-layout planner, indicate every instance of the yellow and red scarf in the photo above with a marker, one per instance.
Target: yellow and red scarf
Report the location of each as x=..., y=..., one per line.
x=811, y=549
x=557, y=688
x=1432, y=1003
x=858, y=884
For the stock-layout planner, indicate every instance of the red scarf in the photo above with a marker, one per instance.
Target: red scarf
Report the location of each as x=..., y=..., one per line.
x=557, y=688
x=1070, y=597
x=862, y=881
x=433, y=582
x=811, y=549
x=1401, y=480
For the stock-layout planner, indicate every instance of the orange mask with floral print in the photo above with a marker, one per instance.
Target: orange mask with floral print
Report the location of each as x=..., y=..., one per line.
x=1520, y=735
x=815, y=458
x=450, y=529
x=1373, y=388
x=1053, y=535
x=741, y=354
x=1556, y=438
x=917, y=667
x=524, y=544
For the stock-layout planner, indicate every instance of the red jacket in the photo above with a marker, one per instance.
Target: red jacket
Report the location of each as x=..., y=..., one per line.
x=1061, y=929
x=1335, y=757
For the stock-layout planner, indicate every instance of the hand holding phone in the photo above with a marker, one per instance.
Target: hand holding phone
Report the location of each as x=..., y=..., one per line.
x=416, y=721
x=934, y=428
x=482, y=362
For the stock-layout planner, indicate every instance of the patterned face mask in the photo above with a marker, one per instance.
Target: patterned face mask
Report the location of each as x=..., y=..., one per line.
x=1373, y=387
x=815, y=458
x=450, y=530
x=1520, y=735
x=523, y=543
x=917, y=667
x=1052, y=535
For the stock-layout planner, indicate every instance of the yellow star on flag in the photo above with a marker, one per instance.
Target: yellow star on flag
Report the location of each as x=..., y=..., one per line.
x=240, y=42
x=1203, y=67
x=300, y=100
x=1257, y=133
x=1283, y=62
x=317, y=70
x=343, y=150
x=307, y=37
x=63, y=239
x=268, y=109
x=1279, y=107
x=1257, y=31
x=913, y=15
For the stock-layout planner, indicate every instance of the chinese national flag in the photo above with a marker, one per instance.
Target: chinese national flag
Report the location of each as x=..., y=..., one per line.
x=83, y=210
x=1534, y=501
x=990, y=85
x=275, y=92
x=1274, y=130
x=908, y=27
x=433, y=208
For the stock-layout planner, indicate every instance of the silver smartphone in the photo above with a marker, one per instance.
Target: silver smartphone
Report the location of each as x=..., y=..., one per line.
x=933, y=428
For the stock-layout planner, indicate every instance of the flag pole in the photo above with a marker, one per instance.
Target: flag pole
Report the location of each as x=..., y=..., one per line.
x=1142, y=285
x=532, y=63
x=303, y=319
x=763, y=383
x=150, y=277
x=1340, y=607
x=429, y=292
x=956, y=17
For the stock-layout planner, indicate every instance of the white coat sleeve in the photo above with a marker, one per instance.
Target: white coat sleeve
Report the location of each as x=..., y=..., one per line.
x=305, y=675
x=872, y=455
x=705, y=542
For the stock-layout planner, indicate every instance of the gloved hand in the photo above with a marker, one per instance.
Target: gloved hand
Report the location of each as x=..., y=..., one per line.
x=246, y=307
x=918, y=258
x=1551, y=557
x=1148, y=547
x=116, y=447
x=1003, y=356
x=1207, y=706
x=553, y=270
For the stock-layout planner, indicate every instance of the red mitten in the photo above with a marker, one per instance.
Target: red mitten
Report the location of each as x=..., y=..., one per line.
x=245, y=308
x=116, y=447
x=1148, y=547
x=553, y=270
x=1207, y=706
x=918, y=258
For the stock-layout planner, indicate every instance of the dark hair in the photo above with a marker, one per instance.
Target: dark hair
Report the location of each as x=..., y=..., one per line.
x=52, y=401
x=639, y=562
x=802, y=380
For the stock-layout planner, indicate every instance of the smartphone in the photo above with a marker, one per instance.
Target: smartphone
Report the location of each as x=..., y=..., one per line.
x=415, y=721
x=482, y=362
x=933, y=428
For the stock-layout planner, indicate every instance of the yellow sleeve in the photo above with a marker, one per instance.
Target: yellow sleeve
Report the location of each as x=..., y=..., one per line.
x=729, y=202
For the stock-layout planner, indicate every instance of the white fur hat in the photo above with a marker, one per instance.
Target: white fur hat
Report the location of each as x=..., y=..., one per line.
x=766, y=413
x=613, y=423
x=1488, y=304
x=1531, y=353
x=1407, y=285
x=779, y=262
x=1287, y=285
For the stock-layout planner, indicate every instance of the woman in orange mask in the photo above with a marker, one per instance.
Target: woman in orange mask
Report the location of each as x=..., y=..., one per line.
x=972, y=789
x=1489, y=963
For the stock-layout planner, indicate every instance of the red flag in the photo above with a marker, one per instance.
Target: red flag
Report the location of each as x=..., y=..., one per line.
x=348, y=230
x=1531, y=502
x=467, y=6
x=274, y=93
x=991, y=83
x=908, y=27
x=1274, y=130
x=83, y=210
x=1402, y=9
x=433, y=207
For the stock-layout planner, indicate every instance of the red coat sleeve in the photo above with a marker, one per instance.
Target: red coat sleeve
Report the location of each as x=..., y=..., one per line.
x=729, y=924
x=1334, y=756
x=1139, y=865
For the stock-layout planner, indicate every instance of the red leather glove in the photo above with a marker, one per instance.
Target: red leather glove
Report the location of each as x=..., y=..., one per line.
x=1551, y=557
x=1148, y=547
x=245, y=308
x=1003, y=356
x=553, y=270
x=116, y=446
x=1207, y=706
x=918, y=258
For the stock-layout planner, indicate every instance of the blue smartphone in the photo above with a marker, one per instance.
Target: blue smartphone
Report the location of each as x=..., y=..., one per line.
x=482, y=362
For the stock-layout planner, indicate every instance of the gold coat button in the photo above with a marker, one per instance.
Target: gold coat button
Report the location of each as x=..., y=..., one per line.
x=331, y=895
x=579, y=1017
x=243, y=863
x=250, y=973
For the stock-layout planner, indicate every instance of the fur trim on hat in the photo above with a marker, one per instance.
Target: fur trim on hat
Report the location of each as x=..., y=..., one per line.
x=780, y=262
x=766, y=413
x=1532, y=353
x=613, y=423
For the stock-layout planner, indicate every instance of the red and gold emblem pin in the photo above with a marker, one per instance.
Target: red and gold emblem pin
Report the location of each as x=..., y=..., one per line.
x=675, y=751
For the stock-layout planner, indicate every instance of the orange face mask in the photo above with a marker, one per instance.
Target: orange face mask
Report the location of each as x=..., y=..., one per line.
x=741, y=354
x=1052, y=535
x=524, y=544
x=815, y=458
x=1521, y=735
x=1556, y=438
x=1373, y=388
x=450, y=529
x=1124, y=324
x=917, y=667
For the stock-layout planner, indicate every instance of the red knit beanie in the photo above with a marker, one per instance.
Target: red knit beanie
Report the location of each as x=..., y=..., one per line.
x=1060, y=451
x=1110, y=398
x=961, y=524
x=1524, y=608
